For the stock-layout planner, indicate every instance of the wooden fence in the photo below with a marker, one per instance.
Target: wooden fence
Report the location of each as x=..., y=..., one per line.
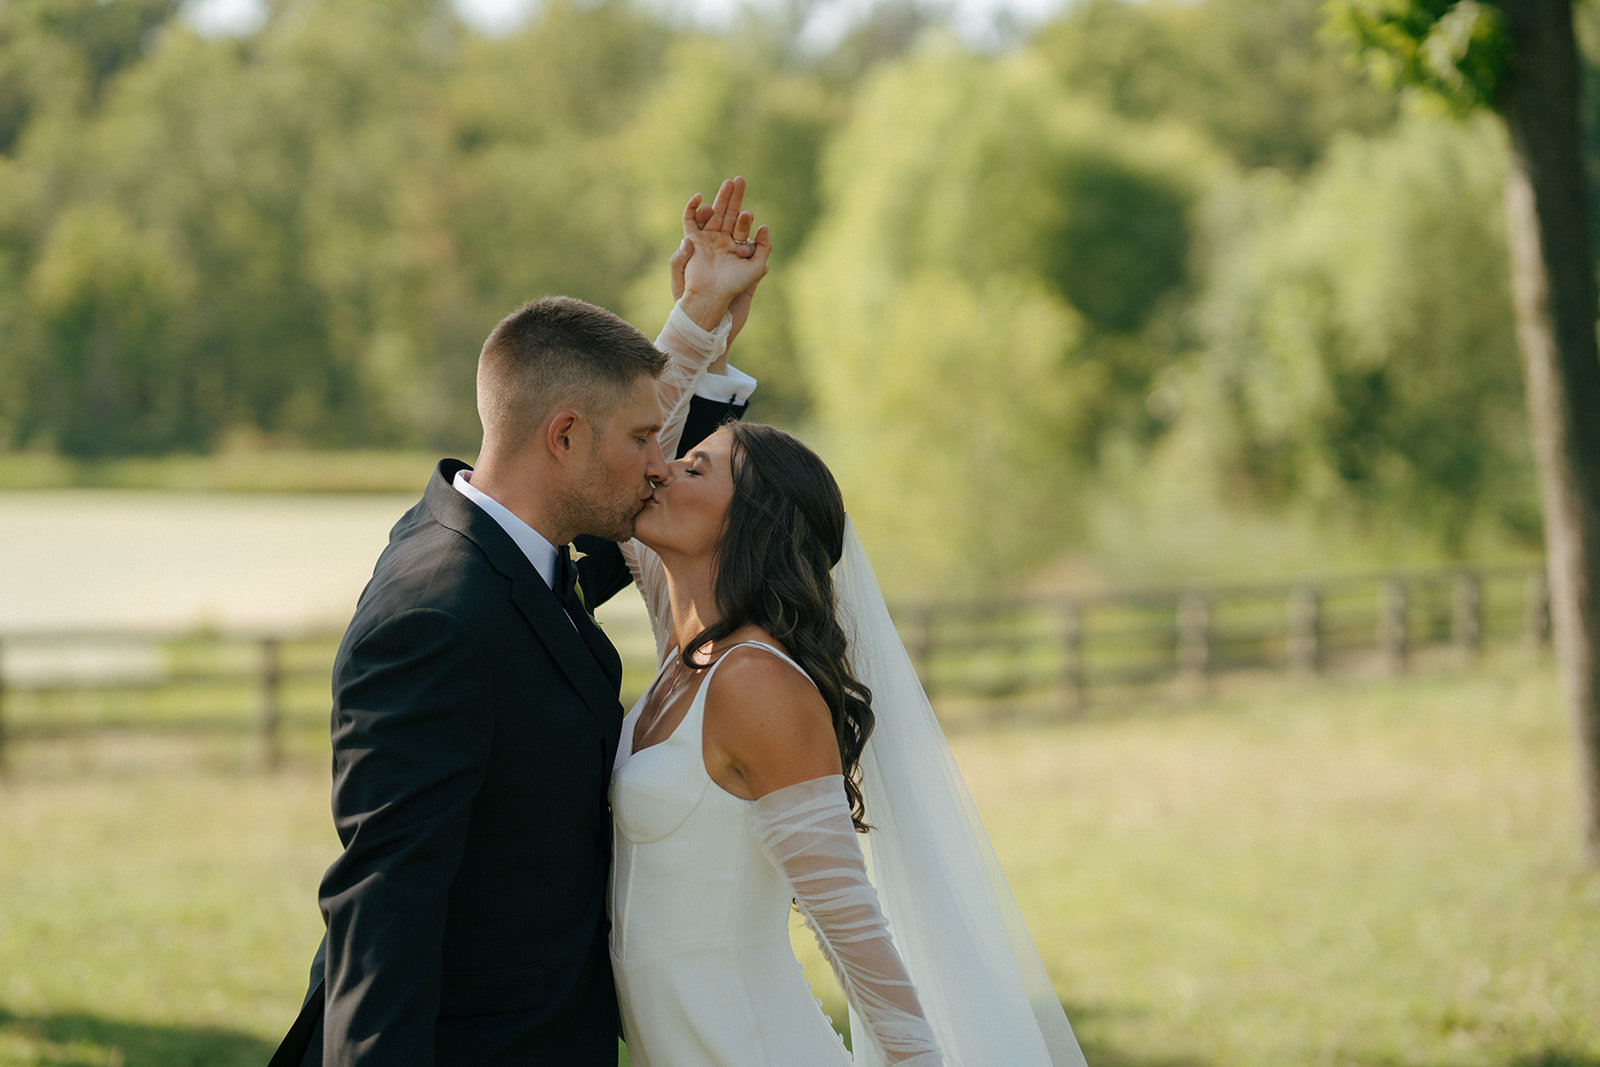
x=64, y=684
x=1065, y=655
x=1139, y=645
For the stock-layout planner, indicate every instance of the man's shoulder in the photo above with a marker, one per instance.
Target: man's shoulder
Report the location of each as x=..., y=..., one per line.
x=433, y=562
x=432, y=565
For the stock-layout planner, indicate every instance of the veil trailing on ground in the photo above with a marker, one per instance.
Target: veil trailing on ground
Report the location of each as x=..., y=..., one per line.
x=954, y=920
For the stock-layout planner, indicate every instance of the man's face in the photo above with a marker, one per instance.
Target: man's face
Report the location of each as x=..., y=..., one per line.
x=624, y=460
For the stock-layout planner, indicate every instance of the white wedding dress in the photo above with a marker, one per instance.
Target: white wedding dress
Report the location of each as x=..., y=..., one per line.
x=699, y=918
x=699, y=915
x=702, y=881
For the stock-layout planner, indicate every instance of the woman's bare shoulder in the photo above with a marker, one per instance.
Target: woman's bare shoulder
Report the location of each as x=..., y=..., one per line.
x=753, y=672
x=766, y=715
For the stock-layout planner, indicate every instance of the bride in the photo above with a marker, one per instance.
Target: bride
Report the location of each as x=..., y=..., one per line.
x=784, y=726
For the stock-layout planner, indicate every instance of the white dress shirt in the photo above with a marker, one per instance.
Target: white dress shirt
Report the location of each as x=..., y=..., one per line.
x=540, y=553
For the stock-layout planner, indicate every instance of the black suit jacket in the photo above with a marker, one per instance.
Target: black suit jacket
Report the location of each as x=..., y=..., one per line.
x=473, y=737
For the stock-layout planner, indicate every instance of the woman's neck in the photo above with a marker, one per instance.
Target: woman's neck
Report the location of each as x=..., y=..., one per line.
x=691, y=590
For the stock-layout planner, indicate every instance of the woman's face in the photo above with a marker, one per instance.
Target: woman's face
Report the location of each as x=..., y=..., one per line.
x=684, y=516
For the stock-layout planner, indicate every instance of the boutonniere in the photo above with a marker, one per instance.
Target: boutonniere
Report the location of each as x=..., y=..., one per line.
x=575, y=554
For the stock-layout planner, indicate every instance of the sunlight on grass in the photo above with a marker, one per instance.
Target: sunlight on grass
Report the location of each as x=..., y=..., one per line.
x=1336, y=875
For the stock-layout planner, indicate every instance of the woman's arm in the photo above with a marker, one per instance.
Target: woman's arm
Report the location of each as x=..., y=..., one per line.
x=768, y=737
x=714, y=274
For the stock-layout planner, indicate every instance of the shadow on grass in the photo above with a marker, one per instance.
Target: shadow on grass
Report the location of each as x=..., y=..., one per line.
x=70, y=1039
x=1101, y=1054
x=1096, y=1053
x=1546, y=1057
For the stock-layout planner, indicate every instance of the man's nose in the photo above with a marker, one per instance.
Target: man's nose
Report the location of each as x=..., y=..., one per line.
x=655, y=464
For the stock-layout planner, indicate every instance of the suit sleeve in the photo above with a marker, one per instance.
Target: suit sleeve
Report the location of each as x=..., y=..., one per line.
x=704, y=418
x=412, y=733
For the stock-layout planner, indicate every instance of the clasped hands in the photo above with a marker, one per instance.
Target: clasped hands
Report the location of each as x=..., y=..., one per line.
x=718, y=264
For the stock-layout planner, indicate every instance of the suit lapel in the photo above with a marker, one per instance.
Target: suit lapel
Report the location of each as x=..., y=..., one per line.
x=529, y=593
x=560, y=635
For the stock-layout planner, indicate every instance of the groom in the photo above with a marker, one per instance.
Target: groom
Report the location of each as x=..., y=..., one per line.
x=475, y=714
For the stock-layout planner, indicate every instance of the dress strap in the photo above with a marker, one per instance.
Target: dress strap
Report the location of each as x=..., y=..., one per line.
x=694, y=718
x=763, y=645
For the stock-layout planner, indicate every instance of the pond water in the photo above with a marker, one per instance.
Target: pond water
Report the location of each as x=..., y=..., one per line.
x=77, y=562
x=74, y=559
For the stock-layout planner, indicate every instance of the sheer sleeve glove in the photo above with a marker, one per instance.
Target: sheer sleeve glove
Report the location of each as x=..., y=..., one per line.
x=690, y=350
x=806, y=832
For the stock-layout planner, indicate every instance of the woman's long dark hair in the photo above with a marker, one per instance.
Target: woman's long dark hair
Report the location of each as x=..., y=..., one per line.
x=783, y=533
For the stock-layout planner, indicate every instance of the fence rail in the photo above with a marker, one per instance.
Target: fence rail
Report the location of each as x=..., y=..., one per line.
x=1069, y=653
x=61, y=684
x=1172, y=642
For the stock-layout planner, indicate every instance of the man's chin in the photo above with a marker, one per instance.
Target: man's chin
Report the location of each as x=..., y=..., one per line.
x=624, y=529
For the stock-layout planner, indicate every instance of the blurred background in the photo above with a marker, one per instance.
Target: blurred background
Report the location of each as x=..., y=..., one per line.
x=1172, y=287
x=1166, y=358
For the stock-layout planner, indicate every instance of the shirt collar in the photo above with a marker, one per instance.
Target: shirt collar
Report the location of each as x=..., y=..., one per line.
x=540, y=553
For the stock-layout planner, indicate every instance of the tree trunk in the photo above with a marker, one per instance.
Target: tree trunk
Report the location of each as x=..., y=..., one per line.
x=1555, y=300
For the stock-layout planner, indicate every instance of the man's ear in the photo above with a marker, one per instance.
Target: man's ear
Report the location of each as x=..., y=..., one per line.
x=561, y=433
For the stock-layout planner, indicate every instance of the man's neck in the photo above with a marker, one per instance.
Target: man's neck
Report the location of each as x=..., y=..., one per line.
x=519, y=493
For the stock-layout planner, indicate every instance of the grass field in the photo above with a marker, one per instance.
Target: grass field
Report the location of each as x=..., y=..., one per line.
x=1360, y=874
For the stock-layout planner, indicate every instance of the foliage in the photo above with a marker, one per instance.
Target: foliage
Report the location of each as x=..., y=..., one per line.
x=1359, y=329
x=716, y=111
x=1255, y=76
x=61, y=56
x=1058, y=264
x=334, y=211
x=994, y=253
x=1457, y=50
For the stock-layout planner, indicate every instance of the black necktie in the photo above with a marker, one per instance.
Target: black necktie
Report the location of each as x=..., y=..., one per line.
x=566, y=590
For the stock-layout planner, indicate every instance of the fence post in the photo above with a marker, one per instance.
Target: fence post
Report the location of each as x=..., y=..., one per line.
x=1304, y=646
x=1194, y=642
x=1536, y=616
x=1392, y=625
x=1466, y=615
x=271, y=711
x=1072, y=649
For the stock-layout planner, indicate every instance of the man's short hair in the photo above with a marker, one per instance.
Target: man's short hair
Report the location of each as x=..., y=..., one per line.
x=556, y=353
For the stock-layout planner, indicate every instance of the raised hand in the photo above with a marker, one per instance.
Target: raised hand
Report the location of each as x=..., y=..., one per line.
x=718, y=266
x=738, y=307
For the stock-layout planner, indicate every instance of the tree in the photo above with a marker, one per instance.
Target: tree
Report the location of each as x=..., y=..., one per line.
x=62, y=54
x=1520, y=58
x=1359, y=336
x=1252, y=74
x=719, y=110
x=973, y=302
x=108, y=302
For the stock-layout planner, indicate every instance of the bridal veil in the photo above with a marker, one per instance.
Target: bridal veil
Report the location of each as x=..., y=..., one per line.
x=952, y=915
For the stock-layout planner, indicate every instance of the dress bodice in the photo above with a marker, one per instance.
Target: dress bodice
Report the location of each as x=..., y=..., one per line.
x=676, y=826
x=700, y=917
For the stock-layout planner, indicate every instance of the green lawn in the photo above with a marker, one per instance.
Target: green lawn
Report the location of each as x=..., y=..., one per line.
x=1354, y=874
